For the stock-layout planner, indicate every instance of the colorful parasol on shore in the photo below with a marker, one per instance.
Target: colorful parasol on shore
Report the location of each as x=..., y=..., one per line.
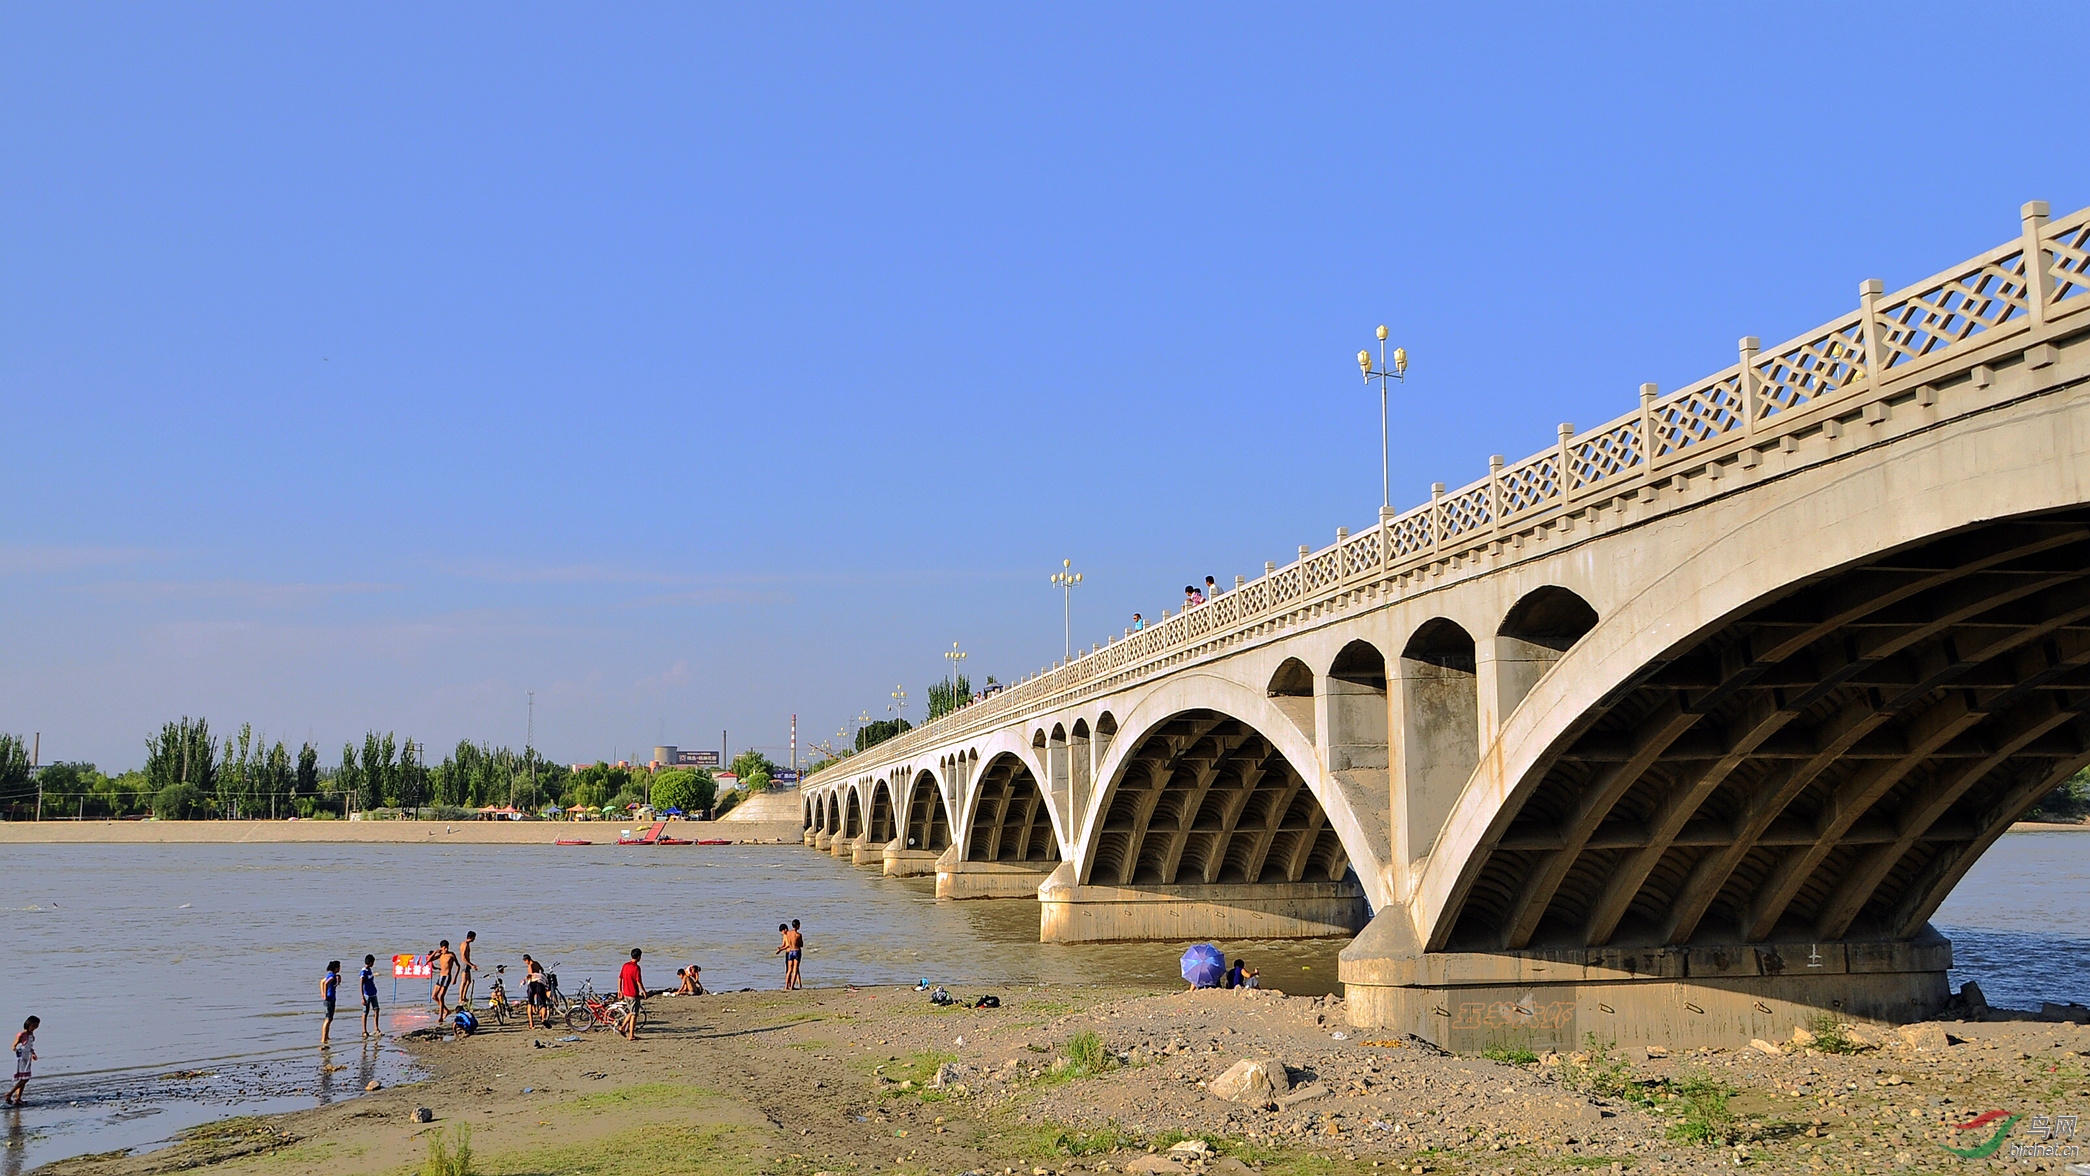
x=1203, y=965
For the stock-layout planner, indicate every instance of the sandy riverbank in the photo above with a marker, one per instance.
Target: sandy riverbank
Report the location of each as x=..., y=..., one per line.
x=369, y=832
x=843, y=1082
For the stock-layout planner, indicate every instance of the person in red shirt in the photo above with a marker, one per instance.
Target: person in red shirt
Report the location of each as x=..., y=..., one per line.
x=633, y=989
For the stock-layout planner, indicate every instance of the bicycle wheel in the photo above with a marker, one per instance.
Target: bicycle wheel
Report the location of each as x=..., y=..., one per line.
x=641, y=1019
x=579, y=1019
x=500, y=1011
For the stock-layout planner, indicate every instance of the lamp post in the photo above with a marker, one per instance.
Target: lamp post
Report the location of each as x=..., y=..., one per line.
x=1398, y=371
x=899, y=707
x=956, y=657
x=1066, y=580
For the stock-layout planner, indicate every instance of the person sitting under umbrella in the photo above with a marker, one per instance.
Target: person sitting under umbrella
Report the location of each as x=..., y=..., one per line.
x=1203, y=965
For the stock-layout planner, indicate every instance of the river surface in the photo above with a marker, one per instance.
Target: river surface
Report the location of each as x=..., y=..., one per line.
x=180, y=983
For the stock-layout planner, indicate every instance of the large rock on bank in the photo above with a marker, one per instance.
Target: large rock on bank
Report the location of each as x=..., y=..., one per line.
x=1251, y=1080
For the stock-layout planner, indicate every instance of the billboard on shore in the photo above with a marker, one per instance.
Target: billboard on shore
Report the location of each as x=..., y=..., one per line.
x=696, y=759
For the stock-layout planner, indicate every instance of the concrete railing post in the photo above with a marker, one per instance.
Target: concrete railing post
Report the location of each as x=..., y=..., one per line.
x=1869, y=292
x=1566, y=480
x=1650, y=444
x=2039, y=284
x=1495, y=493
x=1751, y=410
x=1436, y=517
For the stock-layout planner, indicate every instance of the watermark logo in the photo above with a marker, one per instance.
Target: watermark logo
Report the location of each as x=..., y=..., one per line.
x=2044, y=1131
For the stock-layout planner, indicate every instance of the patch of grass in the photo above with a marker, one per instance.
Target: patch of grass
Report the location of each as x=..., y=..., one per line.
x=449, y=1152
x=644, y=1094
x=721, y=1151
x=808, y=1045
x=1172, y=1137
x=1829, y=1037
x=1509, y=1055
x=1048, y=1141
x=1602, y=1073
x=1703, y=1116
x=237, y=1127
x=919, y=1068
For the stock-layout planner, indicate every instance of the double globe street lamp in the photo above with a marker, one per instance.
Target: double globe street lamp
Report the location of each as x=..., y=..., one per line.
x=1398, y=370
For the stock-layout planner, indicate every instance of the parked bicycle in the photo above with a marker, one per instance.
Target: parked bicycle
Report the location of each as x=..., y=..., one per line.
x=593, y=1011
x=497, y=1002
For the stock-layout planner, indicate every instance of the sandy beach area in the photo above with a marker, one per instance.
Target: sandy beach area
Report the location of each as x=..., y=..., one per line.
x=371, y=832
x=1061, y=1080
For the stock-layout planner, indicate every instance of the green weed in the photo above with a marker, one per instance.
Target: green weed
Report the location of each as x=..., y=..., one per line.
x=1601, y=1073
x=1829, y=1037
x=449, y=1152
x=1703, y=1116
x=1509, y=1055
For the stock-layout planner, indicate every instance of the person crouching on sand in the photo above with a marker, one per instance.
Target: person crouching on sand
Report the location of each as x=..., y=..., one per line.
x=25, y=1053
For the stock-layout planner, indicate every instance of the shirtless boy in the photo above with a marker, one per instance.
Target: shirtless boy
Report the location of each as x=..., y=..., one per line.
x=443, y=964
x=792, y=948
x=464, y=993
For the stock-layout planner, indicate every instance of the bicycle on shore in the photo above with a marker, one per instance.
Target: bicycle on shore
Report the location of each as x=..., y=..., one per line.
x=593, y=1011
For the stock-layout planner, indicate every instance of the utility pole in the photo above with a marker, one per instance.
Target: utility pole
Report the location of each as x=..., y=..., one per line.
x=529, y=743
x=794, y=747
x=36, y=759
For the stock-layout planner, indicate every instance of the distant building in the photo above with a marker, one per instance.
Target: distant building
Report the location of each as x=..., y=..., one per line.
x=676, y=757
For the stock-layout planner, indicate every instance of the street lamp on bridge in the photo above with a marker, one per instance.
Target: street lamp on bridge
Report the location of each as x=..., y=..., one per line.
x=956, y=657
x=1067, y=579
x=1398, y=371
x=899, y=707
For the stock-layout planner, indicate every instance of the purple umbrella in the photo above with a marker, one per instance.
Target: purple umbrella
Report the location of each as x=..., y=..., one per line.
x=1203, y=965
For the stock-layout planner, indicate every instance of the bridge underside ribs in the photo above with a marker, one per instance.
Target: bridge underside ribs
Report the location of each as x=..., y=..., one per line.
x=1210, y=832
x=1010, y=822
x=1207, y=799
x=1825, y=766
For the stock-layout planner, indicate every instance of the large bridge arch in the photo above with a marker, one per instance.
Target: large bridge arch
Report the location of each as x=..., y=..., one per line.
x=1979, y=501
x=1255, y=711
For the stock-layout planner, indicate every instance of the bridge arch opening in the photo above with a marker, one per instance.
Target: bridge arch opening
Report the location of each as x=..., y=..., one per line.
x=1291, y=691
x=1440, y=731
x=1010, y=823
x=1534, y=634
x=853, y=816
x=834, y=812
x=1204, y=798
x=805, y=814
x=878, y=825
x=1357, y=712
x=1823, y=764
x=928, y=821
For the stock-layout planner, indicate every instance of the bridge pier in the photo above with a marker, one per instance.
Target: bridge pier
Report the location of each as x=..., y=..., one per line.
x=902, y=862
x=810, y=835
x=958, y=878
x=822, y=839
x=1714, y=995
x=1264, y=910
x=867, y=852
x=842, y=847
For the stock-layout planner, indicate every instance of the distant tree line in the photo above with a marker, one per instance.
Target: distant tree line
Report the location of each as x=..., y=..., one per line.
x=190, y=774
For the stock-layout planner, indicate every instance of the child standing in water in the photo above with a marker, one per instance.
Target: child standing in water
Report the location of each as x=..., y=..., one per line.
x=329, y=984
x=25, y=1053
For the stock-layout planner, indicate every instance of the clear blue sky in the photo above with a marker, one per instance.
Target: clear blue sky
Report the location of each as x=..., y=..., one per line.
x=364, y=367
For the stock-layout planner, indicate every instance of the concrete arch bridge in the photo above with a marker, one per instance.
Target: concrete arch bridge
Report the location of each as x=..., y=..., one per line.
x=1679, y=730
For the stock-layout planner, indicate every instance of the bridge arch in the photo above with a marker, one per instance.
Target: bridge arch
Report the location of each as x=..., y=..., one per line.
x=1815, y=758
x=1225, y=719
x=853, y=812
x=927, y=823
x=879, y=817
x=1011, y=820
x=834, y=812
